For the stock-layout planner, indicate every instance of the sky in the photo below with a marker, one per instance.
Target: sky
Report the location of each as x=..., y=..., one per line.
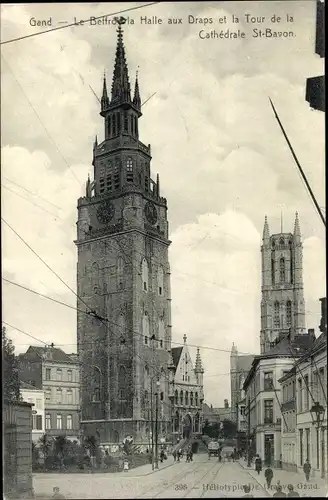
x=222, y=160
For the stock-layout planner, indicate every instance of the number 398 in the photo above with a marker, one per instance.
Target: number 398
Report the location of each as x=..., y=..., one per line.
x=180, y=487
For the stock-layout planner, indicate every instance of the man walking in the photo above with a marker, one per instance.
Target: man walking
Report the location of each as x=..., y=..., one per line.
x=258, y=464
x=307, y=469
x=268, y=473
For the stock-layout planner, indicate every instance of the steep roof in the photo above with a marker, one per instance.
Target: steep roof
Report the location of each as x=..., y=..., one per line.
x=244, y=362
x=176, y=353
x=25, y=385
x=53, y=354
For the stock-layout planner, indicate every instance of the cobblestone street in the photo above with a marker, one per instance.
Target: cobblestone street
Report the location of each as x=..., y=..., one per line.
x=202, y=478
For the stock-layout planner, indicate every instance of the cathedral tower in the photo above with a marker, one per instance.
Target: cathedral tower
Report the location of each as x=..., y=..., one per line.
x=282, y=304
x=123, y=276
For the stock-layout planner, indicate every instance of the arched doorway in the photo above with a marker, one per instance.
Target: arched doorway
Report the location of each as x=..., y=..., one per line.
x=187, y=427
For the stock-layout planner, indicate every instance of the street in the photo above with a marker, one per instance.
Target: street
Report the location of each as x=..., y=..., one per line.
x=202, y=478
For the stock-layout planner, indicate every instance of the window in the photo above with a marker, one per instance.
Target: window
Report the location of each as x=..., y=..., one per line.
x=48, y=374
x=59, y=395
x=160, y=280
x=306, y=392
x=48, y=421
x=39, y=422
x=69, y=422
x=181, y=397
x=273, y=271
x=59, y=374
x=59, y=421
x=69, y=375
x=117, y=180
x=191, y=399
x=300, y=395
x=282, y=270
x=146, y=397
x=69, y=394
x=186, y=398
x=196, y=398
x=121, y=326
x=161, y=333
x=146, y=340
x=48, y=394
x=301, y=446
x=176, y=397
x=144, y=272
x=162, y=396
x=122, y=381
x=120, y=272
x=146, y=184
x=145, y=327
x=38, y=404
x=289, y=313
x=268, y=411
x=129, y=170
x=276, y=315
x=126, y=122
x=268, y=381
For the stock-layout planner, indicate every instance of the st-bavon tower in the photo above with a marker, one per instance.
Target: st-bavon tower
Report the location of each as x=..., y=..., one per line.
x=123, y=276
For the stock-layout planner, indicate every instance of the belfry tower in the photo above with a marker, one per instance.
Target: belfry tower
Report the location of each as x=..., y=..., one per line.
x=282, y=304
x=123, y=277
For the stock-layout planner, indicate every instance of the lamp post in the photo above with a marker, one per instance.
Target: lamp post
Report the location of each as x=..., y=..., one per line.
x=318, y=413
x=156, y=424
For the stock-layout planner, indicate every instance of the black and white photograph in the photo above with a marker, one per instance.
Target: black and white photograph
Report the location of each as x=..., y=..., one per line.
x=164, y=310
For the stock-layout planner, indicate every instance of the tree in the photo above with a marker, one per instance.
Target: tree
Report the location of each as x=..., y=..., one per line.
x=10, y=373
x=61, y=447
x=45, y=446
x=229, y=429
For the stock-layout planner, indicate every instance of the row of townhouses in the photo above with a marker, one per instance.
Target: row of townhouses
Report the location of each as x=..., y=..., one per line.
x=279, y=397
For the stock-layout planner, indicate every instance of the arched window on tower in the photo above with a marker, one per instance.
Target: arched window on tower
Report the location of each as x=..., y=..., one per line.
x=181, y=397
x=191, y=399
x=121, y=327
x=126, y=122
x=114, y=124
x=118, y=123
x=282, y=270
x=176, y=397
x=186, y=398
x=144, y=272
x=276, y=315
x=273, y=271
x=117, y=174
x=120, y=273
x=145, y=328
x=122, y=382
x=129, y=170
x=136, y=125
x=161, y=333
x=160, y=280
x=289, y=313
x=291, y=261
x=282, y=242
x=196, y=398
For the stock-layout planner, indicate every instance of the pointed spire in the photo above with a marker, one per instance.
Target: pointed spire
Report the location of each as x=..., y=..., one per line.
x=104, y=97
x=170, y=364
x=266, y=233
x=185, y=339
x=136, y=98
x=233, y=349
x=121, y=91
x=198, y=364
x=297, y=229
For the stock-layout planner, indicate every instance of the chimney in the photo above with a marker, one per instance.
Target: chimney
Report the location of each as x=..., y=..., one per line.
x=226, y=403
x=323, y=321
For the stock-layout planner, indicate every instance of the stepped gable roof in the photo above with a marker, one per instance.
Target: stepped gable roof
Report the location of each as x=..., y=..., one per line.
x=55, y=354
x=176, y=354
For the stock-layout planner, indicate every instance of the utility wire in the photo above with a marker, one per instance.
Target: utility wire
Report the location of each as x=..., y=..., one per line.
x=299, y=165
x=41, y=122
x=74, y=24
x=31, y=202
x=30, y=192
x=113, y=323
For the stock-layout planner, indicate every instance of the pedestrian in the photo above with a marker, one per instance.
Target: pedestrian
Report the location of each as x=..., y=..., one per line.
x=258, y=464
x=307, y=469
x=291, y=492
x=279, y=493
x=174, y=455
x=247, y=490
x=191, y=455
x=57, y=494
x=268, y=473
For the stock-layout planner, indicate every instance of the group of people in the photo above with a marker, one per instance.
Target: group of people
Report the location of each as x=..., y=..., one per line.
x=178, y=454
x=268, y=474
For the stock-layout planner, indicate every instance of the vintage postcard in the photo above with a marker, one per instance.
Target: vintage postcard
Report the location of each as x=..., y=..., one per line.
x=164, y=327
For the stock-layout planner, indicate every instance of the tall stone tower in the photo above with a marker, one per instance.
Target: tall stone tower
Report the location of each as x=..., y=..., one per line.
x=123, y=277
x=282, y=304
